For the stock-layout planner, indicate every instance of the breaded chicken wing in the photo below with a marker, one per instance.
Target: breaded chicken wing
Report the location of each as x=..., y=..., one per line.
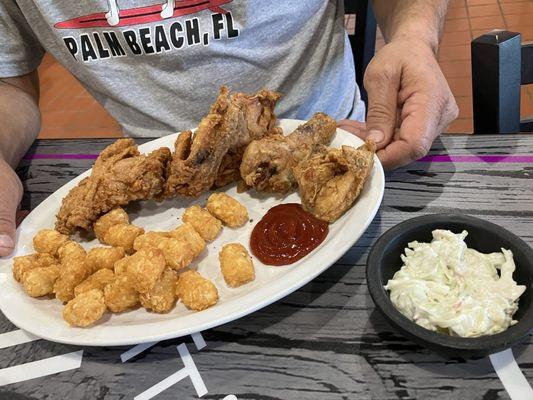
x=267, y=164
x=331, y=181
x=120, y=175
x=215, y=149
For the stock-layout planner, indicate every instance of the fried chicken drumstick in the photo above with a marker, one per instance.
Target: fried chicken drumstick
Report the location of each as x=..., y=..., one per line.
x=331, y=180
x=267, y=164
x=212, y=155
x=120, y=175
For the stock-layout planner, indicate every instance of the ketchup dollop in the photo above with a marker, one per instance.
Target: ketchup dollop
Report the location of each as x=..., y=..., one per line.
x=286, y=234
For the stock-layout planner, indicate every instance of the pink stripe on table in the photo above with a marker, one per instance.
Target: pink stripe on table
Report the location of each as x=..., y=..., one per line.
x=506, y=159
x=439, y=158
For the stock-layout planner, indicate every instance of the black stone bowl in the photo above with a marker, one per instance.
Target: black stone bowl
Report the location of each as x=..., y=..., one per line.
x=486, y=237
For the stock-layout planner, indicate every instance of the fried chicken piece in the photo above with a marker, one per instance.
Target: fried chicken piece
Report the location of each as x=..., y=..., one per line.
x=103, y=258
x=195, y=291
x=120, y=175
x=40, y=281
x=98, y=280
x=23, y=264
x=267, y=164
x=216, y=147
x=203, y=222
x=120, y=295
x=48, y=241
x=85, y=309
x=236, y=265
x=331, y=181
x=162, y=297
x=227, y=209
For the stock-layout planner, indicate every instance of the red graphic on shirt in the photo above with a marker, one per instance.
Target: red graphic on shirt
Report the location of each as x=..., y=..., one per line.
x=142, y=15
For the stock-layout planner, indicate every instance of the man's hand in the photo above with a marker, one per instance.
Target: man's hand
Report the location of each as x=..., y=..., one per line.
x=410, y=102
x=10, y=196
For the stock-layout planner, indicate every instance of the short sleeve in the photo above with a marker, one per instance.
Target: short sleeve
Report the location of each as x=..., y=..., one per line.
x=20, y=51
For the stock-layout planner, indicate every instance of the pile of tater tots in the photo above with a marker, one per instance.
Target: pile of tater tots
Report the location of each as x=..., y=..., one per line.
x=136, y=268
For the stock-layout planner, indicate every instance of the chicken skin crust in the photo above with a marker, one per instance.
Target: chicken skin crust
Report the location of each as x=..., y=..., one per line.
x=120, y=175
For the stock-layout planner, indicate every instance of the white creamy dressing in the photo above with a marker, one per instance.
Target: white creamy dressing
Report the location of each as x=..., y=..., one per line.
x=447, y=287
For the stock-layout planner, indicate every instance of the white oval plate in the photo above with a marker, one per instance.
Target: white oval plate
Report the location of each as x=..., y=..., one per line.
x=42, y=317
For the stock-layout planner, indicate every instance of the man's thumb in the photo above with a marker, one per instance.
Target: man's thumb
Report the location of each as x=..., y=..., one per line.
x=10, y=195
x=382, y=108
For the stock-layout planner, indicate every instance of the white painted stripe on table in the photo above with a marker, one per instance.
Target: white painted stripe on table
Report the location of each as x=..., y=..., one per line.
x=127, y=355
x=38, y=369
x=189, y=370
x=198, y=340
x=15, y=337
x=512, y=378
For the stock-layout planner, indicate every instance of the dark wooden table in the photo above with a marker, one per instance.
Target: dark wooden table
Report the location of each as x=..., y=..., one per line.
x=324, y=341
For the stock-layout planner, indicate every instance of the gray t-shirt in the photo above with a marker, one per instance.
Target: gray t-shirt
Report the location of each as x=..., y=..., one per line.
x=156, y=65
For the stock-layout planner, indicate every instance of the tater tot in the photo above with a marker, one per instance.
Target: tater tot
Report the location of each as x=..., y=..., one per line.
x=145, y=267
x=103, y=257
x=85, y=309
x=120, y=295
x=98, y=280
x=48, y=241
x=122, y=236
x=24, y=264
x=195, y=291
x=227, y=209
x=149, y=239
x=191, y=236
x=121, y=265
x=117, y=216
x=180, y=247
x=162, y=297
x=203, y=222
x=71, y=251
x=40, y=281
x=71, y=275
x=236, y=265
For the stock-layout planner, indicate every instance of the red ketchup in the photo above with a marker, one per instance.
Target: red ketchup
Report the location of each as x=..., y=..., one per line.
x=286, y=234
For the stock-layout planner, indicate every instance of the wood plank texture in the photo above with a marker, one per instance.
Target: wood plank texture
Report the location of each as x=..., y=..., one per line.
x=324, y=341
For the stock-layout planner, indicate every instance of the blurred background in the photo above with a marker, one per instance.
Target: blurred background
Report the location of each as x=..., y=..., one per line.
x=69, y=111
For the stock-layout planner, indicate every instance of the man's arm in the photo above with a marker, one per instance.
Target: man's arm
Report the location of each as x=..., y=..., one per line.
x=20, y=116
x=411, y=18
x=20, y=124
x=409, y=100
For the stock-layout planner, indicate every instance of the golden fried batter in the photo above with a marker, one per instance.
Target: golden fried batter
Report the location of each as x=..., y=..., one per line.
x=103, y=257
x=117, y=216
x=120, y=295
x=48, y=241
x=203, y=222
x=236, y=265
x=119, y=175
x=267, y=164
x=233, y=121
x=331, y=181
x=98, y=280
x=195, y=291
x=24, y=264
x=85, y=309
x=227, y=209
x=162, y=297
x=40, y=281
x=122, y=235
